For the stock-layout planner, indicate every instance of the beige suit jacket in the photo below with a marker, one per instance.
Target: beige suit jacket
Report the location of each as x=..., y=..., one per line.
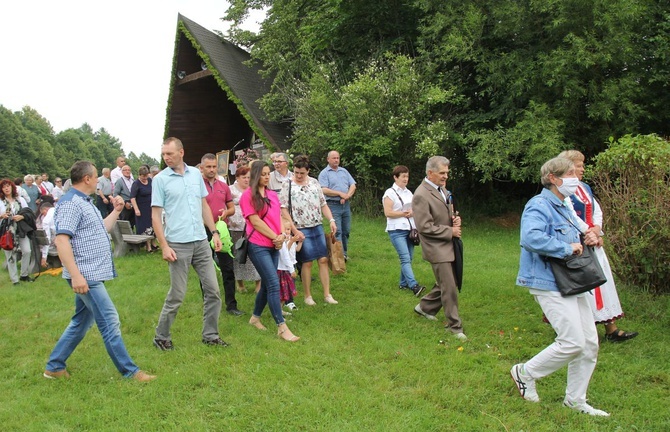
x=434, y=222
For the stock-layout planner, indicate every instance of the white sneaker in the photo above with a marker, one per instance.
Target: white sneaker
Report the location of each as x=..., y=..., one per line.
x=309, y=301
x=330, y=300
x=291, y=306
x=419, y=311
x=461, y=336
x=286, y=313
x=524, y=384
x=585, y=408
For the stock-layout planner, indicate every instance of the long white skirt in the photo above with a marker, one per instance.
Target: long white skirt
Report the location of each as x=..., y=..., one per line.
x=604, y=300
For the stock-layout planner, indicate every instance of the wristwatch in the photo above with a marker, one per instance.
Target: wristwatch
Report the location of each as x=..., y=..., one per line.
x=214, y=232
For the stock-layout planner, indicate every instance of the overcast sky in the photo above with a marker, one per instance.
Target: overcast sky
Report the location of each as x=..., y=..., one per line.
x=107, y=64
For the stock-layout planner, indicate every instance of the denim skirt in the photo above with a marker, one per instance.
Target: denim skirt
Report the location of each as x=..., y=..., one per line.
x=314, y=245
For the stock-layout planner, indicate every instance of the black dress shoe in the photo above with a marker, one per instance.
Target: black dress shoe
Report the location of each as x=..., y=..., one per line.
x=620, y=336
x=26, y=279
x=235, y=312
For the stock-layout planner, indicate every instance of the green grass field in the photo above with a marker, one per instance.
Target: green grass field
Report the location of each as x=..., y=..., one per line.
x=367, y=364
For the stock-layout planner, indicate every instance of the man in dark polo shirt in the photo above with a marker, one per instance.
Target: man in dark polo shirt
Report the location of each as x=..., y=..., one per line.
x=220, y=202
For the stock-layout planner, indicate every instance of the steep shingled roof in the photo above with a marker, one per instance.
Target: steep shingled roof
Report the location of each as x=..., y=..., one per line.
x=241, y=82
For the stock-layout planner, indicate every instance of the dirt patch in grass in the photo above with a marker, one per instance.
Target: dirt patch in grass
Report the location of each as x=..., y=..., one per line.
x=508, y=220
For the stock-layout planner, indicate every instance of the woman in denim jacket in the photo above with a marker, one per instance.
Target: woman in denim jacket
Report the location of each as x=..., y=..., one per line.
x=547, y=230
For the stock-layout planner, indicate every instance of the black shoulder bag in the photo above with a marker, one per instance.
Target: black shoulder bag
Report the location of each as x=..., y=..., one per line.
x=242, y=245
x=576, y=274
x=413, y=232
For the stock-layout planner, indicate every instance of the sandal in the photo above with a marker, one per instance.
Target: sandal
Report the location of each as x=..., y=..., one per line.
x=256, y=322
x=620, y=336
x=287, y=338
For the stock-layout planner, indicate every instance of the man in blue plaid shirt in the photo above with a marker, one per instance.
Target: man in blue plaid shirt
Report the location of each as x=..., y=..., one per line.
x=85, y=251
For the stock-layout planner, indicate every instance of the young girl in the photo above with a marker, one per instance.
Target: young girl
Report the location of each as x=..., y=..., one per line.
x=286, y=268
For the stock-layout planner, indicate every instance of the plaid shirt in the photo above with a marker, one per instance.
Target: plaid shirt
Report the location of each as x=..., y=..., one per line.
x=77, y=217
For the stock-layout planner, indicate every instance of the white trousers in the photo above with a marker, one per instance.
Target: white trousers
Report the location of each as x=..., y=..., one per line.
x=26, y=259
x=576, y=342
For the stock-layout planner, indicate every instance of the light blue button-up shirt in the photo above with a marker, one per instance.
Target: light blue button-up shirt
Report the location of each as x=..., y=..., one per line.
x=77, y=217
x=338, y=180
x=181, y=198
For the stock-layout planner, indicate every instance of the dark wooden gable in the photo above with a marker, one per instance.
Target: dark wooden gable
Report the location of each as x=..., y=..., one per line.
x=214, y=96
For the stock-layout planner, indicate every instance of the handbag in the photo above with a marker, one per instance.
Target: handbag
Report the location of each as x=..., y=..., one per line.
x=242, y=245
x=242, y=249
x=335, y=255
x=6, y=236
x=413, y=232
x=576, y=274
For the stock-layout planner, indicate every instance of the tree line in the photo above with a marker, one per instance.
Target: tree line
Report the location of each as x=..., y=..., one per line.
x=498, y=86
x=29, y=145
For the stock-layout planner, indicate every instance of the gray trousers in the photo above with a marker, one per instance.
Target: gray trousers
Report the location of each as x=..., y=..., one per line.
x=444, y=295
x=26, y=258
x=199, y=255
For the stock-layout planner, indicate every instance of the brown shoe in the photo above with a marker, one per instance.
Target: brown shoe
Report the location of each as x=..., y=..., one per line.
x=55, y=375
x=142, y=376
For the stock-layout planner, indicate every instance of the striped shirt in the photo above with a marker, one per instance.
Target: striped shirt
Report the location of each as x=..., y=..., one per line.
x=77, y=217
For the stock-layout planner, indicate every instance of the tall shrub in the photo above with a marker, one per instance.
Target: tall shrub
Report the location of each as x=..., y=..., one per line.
x=632, y=181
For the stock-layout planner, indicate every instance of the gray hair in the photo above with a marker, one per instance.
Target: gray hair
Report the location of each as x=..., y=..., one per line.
x=25, y=178
x=154, y=169
x=279, y=154
x=105, y=170
x=435, y=162
x=556, y=166
x=79, y=170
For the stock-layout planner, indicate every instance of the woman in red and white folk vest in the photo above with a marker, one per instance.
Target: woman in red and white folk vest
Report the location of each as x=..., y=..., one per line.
x=604, y=299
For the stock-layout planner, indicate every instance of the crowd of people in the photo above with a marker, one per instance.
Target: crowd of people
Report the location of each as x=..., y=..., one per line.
x=280, y=214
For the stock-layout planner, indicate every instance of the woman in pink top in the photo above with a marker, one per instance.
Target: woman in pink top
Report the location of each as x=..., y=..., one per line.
x=260, y=207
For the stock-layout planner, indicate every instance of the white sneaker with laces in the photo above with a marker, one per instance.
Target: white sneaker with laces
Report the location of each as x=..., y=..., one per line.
x=330, y=300
x=524, y=384
x=309, y=301
x=585, y=408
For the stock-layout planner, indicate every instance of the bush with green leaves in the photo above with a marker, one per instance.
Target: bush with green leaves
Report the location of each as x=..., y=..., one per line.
x=632, y=181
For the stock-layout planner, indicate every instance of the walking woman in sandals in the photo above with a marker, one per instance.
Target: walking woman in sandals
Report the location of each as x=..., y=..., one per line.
x=265, y=234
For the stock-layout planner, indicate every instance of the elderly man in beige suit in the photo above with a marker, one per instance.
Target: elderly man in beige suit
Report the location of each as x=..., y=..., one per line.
x=437, y=226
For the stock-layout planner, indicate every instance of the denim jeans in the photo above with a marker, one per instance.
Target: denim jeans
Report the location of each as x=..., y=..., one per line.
x=266, y=260
x=405, y=248
x=96, y=306
x=342, y=215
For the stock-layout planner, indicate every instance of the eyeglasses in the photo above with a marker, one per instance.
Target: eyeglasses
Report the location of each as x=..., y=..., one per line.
x=278, y=162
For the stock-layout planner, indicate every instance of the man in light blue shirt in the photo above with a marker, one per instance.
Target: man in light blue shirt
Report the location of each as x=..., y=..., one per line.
x=338, y=187
x=180, y=192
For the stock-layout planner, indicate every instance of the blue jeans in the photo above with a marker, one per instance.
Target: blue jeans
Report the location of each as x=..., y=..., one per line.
x=93, y=306
x=342, y=215
x=266, y=260
x=405, y=248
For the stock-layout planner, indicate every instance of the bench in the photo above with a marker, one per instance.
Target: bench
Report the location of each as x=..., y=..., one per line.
x=52, y=258
x=125, y=240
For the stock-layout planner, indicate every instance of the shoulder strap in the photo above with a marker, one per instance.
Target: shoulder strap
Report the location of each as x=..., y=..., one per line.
x=402, y=204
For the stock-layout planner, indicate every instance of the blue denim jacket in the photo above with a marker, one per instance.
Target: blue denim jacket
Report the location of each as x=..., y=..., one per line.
x=545, y=231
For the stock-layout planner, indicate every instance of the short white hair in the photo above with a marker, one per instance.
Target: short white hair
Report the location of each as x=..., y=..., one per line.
x=435, y=162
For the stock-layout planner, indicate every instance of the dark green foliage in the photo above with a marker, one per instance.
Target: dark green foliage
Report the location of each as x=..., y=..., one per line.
x=632, y=181
x=518, y=80
x=29, y=145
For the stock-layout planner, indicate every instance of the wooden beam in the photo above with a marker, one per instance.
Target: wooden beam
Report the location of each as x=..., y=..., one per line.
x=195, y=76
